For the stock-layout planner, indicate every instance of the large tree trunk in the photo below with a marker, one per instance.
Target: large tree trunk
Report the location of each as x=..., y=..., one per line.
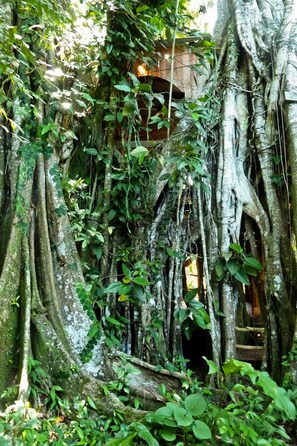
x=151, y=215
x=256, y=159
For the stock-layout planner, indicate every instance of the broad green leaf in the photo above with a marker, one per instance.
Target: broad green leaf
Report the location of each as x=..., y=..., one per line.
x=188, y=328
x=241, y=276
x=164, y=415
x=250, y=270
x=139, y=293
x=71, y=134
x=113, y=288
x=142, y=8
x=278, y=395
x=123, y=298
x=141, y=281
x=168, y=434
x=126, y=270
x=145, y=435
x=129, y=108
x=138, y=151
x=232, y=266
x=124, y=289
x=213, y=368
x=81, y=103
x=182, y=417
x=164, y=177
x=197, y=167
x=91, y=151
x=111, y=214
x=47, y=128
x=182, y=314
x=195, y=404
x=191, y=294
x=199, y=321
x=134, y=79
x=88, y=97
x=234, y=366
x=236, y=247
x=220, y=267
x=120, y=117
x=250, y=261
x=109, y=118
x=147, y=89
x=147, y=99
x=201, y=430
x=123, y=87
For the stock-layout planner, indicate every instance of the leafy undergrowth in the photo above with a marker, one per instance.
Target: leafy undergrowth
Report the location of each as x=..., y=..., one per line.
x=247, y=408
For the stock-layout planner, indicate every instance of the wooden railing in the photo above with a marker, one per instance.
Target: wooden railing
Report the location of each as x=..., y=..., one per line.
x=246, y=352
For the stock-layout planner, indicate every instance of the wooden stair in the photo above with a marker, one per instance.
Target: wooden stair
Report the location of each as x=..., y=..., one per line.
x=251, y=352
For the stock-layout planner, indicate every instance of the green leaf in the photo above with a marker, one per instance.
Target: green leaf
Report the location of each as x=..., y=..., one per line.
x=232, y=266
x=250, y=270
x=182, y=314
x=120, y=117
x=191, y=294
x=250, y=261
x=129, y=108
x=234, y=366
x=236, y=247
x=145, y=435
x=91, y=151
x=139, y=151
x=182, y=417
x=277, y=394
x=94, y=330
x=109, y=118
x=113, y=288
x=120, y=442
x=163, y=416
x=220, y=267
x=147, y=89
x=201, y=430
x=91, y=403
x=123, y=298
x=142, y=8
x=61, y=210
x=141, y=281
x=168, y=434
x=213, y=368
x=123, y=87
x=47, y=128
x=164, y=177
x=113, y=321
x=111, y=214
x=71, y=134
x=188, y=328
x=88, y=97
x=124, y=289
x=81, y=103
x=126, y=270
x=242, y=277
x=195, y=404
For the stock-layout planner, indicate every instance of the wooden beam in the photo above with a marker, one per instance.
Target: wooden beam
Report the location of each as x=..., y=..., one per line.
x=248, y=329
x=249, y=347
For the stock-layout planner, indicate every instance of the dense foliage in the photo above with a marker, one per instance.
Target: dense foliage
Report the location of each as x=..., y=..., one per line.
x=97, y=221
x=254, y=411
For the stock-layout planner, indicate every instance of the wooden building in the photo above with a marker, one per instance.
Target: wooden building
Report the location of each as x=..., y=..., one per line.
x=187, y=81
